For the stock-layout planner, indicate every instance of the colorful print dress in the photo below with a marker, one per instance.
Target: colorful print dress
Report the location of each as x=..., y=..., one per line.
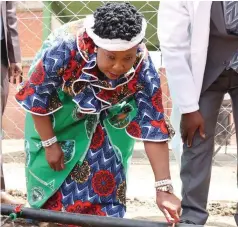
x=96, y=121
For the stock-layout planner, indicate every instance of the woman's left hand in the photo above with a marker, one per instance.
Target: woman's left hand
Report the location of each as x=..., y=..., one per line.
x=170, y=205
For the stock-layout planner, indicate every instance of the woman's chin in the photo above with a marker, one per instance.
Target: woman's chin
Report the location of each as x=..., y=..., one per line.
x=112, y=77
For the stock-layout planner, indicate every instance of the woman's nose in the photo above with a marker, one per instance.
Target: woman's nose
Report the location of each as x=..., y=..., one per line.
x=118, y=68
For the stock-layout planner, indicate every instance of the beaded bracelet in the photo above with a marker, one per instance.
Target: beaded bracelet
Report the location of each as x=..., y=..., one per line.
x=49, y=142
x=163, y=183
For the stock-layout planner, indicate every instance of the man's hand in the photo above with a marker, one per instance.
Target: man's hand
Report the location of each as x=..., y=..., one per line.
x=190, y=123
x=15, y=69
x=170, y=205
x=55, y=157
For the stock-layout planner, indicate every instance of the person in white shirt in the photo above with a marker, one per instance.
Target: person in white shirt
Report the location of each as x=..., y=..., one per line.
x=199, y=43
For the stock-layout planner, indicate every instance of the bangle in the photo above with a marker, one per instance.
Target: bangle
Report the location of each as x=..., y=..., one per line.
x=49, y=142
x=161, y=183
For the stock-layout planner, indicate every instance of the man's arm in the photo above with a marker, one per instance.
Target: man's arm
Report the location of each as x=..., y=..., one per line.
x=175, y=42
x=14, y=52
x=174, y=36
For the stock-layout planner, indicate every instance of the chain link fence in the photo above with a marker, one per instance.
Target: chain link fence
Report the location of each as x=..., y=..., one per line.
x=36, y=19
x=35, y=22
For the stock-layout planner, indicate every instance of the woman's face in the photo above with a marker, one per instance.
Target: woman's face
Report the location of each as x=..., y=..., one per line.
x=115, y=63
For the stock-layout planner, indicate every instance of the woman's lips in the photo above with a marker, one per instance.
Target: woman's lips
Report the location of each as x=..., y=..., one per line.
x=113, y=75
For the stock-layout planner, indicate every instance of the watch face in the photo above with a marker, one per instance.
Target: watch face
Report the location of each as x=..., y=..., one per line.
x=170, y=189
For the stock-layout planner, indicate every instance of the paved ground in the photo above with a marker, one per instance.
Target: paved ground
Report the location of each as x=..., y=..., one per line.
x=230, y=155
x=222, y=197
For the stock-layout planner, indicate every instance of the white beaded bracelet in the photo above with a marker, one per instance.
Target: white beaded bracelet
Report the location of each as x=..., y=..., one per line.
x=163, y=183
x=49, y=142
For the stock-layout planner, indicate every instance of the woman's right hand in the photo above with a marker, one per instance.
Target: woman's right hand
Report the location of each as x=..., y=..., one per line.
x=55, y=157
x=170, y=205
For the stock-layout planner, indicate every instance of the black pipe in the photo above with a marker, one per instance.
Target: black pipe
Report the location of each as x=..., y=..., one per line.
x=79, y=219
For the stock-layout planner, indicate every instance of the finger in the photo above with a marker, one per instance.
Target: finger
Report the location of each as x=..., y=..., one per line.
x=58, y=166
x=190, y=138
x=55, y=167
x=167, y=215
x=184, y=136
x=180, y=212
x=182, y=131
x=174, y=215
x=52, y=166
x=12, y=72
x=202, y=131
x=62, y=162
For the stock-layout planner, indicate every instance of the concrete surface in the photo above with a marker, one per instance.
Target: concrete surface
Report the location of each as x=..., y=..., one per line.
x=12, y=146
x=223, y=185
x=140, y=193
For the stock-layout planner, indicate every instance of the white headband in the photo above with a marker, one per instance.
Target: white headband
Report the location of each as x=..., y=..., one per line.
x=113, y=44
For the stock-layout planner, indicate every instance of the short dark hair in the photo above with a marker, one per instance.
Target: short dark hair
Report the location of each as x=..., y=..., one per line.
x=117, y=21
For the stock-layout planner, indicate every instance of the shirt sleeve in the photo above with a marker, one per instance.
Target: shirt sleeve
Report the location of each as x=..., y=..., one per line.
x=149, y=123
x=39, y=94
x=13, y=44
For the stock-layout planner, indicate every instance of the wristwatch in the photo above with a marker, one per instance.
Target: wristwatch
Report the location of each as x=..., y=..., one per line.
x=166, y=188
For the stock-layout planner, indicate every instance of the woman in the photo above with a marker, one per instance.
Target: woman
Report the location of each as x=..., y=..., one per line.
x=92, y=91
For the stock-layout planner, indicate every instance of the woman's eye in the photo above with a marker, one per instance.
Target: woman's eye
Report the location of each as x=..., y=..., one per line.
x=111, y=57
x=128, y=58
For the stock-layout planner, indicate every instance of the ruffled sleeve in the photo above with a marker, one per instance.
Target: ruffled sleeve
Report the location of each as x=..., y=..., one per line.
x=39, y=94
x=149, y=123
